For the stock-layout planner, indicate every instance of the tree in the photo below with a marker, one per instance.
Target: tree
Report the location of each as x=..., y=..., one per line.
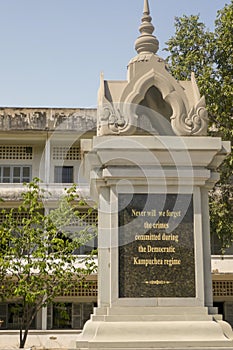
x=209, y=55
x=37, y=260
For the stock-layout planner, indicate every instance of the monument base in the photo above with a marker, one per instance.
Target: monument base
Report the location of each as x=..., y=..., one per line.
x=144, y=328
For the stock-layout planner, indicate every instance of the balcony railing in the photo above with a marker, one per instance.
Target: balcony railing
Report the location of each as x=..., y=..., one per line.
x=13, y=191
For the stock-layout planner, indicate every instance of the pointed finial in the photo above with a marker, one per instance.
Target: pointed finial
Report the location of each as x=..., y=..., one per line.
x=146, y=8
x=146, y=42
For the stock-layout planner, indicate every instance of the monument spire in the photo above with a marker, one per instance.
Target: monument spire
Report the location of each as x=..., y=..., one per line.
x=146, y=7
x=146, y=42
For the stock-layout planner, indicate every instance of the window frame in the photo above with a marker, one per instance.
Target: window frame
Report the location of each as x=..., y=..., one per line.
x=21, y=178
x=79, y=313
x=60, y=177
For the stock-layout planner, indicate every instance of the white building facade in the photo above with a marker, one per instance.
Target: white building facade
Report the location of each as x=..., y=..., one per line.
x=45, y=143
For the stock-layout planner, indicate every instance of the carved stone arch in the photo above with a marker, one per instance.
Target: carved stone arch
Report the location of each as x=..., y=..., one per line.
x=154, y=100
x=139, y=87
x=185, y=112
x=171, y=93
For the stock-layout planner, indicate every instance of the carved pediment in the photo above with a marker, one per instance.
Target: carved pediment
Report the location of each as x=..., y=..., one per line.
x=154, y=88
x=171, y=107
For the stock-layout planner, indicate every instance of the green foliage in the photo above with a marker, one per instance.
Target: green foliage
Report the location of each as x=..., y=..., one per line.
x=210, y=56
x=36, y=253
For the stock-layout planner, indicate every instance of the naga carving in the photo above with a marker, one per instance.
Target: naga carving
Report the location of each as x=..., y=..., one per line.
x=122, y=118
x=197, y=118
x=116, y=119
x=193, y=122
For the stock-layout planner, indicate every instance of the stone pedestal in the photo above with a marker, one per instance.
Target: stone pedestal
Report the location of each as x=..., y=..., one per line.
x=155, y=328
x=154, y=259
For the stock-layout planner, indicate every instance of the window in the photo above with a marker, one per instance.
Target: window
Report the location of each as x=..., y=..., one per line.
x=3, y=316
x=63, y=174
x=62, y=316
x=19, y=221
x=16, y=152
x=88, y=221
x=217, y=246
x=11, y=316
x=16, y=215
x=15, y=173
x=66, y=153
x=68, y=315
x=225, y=309
x=75, y=227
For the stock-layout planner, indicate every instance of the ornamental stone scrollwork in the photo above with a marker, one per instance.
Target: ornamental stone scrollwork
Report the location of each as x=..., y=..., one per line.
x=116, y=119
x=178, y=103
x=193, y=123
x=197, y=118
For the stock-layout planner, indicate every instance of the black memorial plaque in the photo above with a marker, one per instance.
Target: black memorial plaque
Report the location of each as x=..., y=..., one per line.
x=156, y=246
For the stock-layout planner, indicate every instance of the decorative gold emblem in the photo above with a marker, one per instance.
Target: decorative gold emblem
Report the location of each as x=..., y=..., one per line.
x=157, y=282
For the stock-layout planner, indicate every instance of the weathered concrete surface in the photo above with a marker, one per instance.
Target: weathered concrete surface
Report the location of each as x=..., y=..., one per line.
x=71, y=119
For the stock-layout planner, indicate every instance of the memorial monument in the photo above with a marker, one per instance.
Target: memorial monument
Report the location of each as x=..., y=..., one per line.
x=150, y=168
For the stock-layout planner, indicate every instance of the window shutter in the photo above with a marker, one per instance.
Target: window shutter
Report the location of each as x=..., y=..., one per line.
x=229, y=312
x=50, y=316
x=76, y=316
x=3, y=315
x=87, y=311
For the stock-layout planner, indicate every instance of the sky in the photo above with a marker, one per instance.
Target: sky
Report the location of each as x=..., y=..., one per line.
x=53, y=51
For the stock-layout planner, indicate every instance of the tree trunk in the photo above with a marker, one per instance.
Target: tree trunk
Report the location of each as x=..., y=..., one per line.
x=23, y=338
x=29, y=320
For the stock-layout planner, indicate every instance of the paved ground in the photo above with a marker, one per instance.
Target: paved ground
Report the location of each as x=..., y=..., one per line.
x=40, y=340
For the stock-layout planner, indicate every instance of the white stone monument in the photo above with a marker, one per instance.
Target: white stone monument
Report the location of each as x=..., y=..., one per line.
x=150, y=168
